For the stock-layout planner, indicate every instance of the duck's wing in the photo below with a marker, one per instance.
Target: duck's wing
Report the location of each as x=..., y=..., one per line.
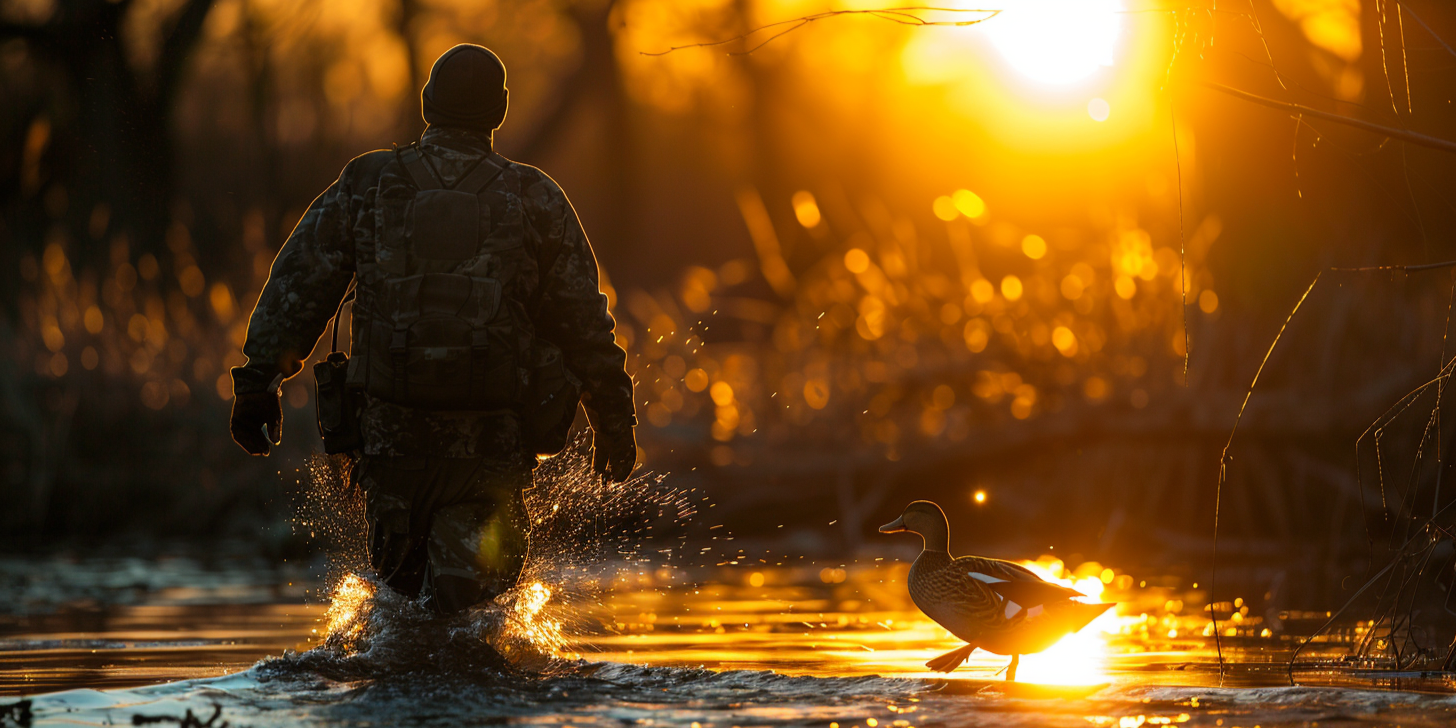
x=958, y=602
x=1013, y=582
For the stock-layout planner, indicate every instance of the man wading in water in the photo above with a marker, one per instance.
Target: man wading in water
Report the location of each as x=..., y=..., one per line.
x=478, y=325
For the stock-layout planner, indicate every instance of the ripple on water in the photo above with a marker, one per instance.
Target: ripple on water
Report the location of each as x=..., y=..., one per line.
x=385, y=661
x=586, y=693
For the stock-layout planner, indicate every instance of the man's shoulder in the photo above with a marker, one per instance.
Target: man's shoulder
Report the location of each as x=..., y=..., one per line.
x=535, y=183
x=366, y=167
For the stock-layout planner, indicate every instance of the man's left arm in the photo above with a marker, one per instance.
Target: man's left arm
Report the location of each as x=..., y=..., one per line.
x=573, y=315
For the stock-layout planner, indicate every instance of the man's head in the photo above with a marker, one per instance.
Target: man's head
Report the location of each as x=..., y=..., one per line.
x=466, y=90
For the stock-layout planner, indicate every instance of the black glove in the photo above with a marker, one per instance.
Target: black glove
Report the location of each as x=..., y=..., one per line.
x=253, y=411
x=614, y=453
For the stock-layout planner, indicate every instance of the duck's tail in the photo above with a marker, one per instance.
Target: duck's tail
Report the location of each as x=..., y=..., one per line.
x=951, y=660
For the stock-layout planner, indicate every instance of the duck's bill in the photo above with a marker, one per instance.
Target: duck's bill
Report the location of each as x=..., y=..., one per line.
x=895, y=526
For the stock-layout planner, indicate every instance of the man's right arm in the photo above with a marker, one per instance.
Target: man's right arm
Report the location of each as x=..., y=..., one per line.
x=307, y=281
x=305, y=284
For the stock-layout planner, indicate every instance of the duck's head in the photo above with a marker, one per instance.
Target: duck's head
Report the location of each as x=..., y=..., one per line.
x=924, y=518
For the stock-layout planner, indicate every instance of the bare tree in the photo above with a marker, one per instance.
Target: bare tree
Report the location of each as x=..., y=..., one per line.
x=110, y=121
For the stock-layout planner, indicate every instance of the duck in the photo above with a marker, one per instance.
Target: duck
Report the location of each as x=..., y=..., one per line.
x=998, y=606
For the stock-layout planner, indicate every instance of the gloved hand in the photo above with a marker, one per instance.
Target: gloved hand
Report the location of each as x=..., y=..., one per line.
x=614, y=453
x=253, y=411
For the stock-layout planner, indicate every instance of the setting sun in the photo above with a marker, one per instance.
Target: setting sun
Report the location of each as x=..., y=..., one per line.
x=1057, y=41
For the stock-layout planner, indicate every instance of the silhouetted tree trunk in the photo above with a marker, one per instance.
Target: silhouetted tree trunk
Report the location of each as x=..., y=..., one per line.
x=111, y=123
x=412, y=124
x=596, y=81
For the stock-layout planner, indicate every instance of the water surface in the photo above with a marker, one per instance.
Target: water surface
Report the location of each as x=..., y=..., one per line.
x=720, y=646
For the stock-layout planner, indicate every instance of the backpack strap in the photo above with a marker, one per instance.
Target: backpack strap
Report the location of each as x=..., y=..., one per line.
x=334, y=322
x=372, y=166
x=484, y=172
x=413, y=161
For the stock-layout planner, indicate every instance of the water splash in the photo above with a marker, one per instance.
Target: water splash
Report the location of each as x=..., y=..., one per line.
x=349, y=610
x=329, y=512
x=525, y=621
x=585, y=535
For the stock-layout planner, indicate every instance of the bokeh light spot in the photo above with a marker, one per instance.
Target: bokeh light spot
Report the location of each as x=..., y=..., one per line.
x=1065, y=341
x=1011, y=288
x=816, y=393
x=1208, y=301
x=944, y=208
x=722, y=394
x=1099, y=109
x=968, y=203
x=806, y=209
x=1126, y=287
x=982, y=291
x=696, y=380
x=1034, y=246
x=1072, y=287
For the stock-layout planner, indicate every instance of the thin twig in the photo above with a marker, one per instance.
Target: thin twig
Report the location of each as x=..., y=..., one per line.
x=1224, y=456
x=1409, y=136
x=1393, y=613
x=903, y=16
x=1182, y=246
x=1259, y=31
x=1440, y=437
x=1333, y=618
x=1428, y=29
x=1223, y=470
x=1384, y=64
x=1294, y=155
x=1401, y=268
x=1404, y=64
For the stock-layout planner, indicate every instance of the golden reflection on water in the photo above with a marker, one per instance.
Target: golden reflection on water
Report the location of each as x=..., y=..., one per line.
x=836, y=621
x=862, y=622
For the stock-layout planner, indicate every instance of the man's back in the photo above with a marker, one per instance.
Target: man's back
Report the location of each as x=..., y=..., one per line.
x=473, y=276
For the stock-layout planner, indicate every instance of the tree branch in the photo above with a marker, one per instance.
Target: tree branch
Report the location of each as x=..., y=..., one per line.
x=1392, y=132
x=904, y=16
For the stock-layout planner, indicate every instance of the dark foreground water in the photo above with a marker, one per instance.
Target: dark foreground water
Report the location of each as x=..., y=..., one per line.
x=118, y=642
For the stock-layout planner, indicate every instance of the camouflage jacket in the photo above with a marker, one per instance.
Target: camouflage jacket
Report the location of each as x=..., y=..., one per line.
x=337, y=234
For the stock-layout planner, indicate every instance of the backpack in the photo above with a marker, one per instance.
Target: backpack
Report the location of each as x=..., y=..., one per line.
x=437, y=331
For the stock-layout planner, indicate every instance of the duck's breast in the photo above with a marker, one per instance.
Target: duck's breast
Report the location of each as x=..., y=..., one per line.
x=953, y=600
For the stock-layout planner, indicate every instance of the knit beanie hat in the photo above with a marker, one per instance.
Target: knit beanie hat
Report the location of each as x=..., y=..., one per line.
x=467, y=89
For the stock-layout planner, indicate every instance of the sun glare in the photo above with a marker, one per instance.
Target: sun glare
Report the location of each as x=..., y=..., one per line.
x=1078, y=659
x=1057, y=42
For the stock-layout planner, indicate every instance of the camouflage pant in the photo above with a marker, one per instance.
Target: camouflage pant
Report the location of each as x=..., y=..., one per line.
x=452, y=530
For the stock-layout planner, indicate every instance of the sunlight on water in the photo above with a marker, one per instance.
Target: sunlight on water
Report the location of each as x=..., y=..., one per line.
x=1077, y=659
x=793, y=622
x=608, y=579
x=526, y=620
x=349, y=608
